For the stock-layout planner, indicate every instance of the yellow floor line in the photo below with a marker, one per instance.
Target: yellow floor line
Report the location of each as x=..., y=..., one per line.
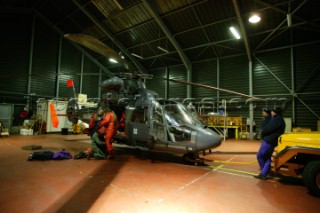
x=220, y=167
x=234, y=162
x=231, y=170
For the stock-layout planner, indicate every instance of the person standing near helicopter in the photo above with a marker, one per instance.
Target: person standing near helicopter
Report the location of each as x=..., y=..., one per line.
x=270, y=134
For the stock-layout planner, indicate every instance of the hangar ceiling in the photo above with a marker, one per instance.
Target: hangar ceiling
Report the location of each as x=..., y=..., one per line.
x=170, y=32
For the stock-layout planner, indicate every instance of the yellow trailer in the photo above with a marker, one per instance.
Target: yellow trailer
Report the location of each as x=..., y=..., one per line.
x=298, y=155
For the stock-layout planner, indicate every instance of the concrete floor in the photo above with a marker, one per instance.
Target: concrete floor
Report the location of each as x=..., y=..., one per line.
x=133, y=183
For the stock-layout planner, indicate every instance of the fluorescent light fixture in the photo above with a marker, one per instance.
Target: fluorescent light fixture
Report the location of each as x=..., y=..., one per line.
x=138, y=56
x=162, y=49
x=254, y=19
x=235, y=32
x=112, y=60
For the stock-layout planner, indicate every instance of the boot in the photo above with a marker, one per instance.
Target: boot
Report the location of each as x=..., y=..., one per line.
x=111, y=155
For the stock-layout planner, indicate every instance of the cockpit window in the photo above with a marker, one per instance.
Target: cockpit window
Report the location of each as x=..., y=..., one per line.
x=177, y=114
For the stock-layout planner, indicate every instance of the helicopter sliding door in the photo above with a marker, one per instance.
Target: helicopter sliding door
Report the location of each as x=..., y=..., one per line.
x=158, y=129
x=138, y=125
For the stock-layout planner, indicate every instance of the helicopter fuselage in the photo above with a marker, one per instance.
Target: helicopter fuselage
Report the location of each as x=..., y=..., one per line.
x=152, y=123
x=167, y=126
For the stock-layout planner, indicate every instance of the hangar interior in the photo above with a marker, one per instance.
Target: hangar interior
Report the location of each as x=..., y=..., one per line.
x=275, y=59
x=189, y=50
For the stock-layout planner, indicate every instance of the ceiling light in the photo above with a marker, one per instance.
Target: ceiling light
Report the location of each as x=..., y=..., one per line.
x=138, y=56
x=235, y=32
x=112, y=60
x=254, y=19
x=162, y=49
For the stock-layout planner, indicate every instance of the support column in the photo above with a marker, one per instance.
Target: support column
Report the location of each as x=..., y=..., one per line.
x=81, y=72
x=30, y=62
x=189, y=79
x=166, y=86
x=293, y=113
x=251, y=114
x=58, y=67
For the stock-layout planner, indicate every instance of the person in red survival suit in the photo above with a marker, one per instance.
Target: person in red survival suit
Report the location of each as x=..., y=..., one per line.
x=110, y=124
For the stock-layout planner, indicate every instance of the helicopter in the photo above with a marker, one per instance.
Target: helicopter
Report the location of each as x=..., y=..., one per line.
x=151, y=123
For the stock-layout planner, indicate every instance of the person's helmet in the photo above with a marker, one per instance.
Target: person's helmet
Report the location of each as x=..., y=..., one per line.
x=277, y=110
x=268, y=111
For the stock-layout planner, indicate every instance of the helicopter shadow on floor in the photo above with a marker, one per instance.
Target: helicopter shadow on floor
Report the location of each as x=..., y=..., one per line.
x=153, y=156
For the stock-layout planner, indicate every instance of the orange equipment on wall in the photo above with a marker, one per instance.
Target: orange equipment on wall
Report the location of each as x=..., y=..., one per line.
x=54, y=117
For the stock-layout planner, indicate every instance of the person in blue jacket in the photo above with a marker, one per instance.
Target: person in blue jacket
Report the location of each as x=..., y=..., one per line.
x=266, y=114
x=270, y=134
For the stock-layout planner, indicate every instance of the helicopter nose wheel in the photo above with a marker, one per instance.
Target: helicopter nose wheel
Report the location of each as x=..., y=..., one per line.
x=192, y=159
x=150, y=143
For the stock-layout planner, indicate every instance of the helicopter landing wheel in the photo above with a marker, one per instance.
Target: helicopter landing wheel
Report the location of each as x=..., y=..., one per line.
x=192, y=159
x=150, y=146
x=150, y=143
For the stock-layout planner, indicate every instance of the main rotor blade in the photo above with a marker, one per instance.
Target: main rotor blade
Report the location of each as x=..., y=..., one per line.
x=97, y=46
x=211, y=87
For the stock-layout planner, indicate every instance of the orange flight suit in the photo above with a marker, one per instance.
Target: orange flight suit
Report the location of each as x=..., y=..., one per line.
x=111, y=123
x=94, y=121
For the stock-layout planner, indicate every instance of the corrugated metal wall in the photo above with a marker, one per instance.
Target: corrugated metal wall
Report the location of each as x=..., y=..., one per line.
x=272, y=73
x=307, y=80
x=49, y=51
x=14, y=56
x=204, y=72
x=175, y=90
x=234, y=75
x=157, y=84
x=69, y=69
x=90, y=82
x=272, y=79
x=44, y=61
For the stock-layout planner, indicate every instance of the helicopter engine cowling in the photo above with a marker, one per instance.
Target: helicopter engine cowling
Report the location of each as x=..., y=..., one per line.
x=112, y=84
x=131, y=86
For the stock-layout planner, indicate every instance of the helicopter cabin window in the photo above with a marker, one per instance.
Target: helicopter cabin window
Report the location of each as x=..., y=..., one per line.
x=157, y=114
x=139, y=115
x=158, y=128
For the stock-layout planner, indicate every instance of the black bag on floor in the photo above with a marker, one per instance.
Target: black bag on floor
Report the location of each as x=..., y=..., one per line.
x=45, y=155
x=80, y=155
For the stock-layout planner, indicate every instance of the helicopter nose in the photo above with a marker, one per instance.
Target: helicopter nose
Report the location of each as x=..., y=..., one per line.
x=207, y=138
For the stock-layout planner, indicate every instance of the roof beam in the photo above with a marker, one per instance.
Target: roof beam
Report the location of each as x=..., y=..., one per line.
x=204, y=32
x=78, y=47
x=109, y=34
x=270, y=34
x=167, y=32
x=242, y=29
x=286, y=12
